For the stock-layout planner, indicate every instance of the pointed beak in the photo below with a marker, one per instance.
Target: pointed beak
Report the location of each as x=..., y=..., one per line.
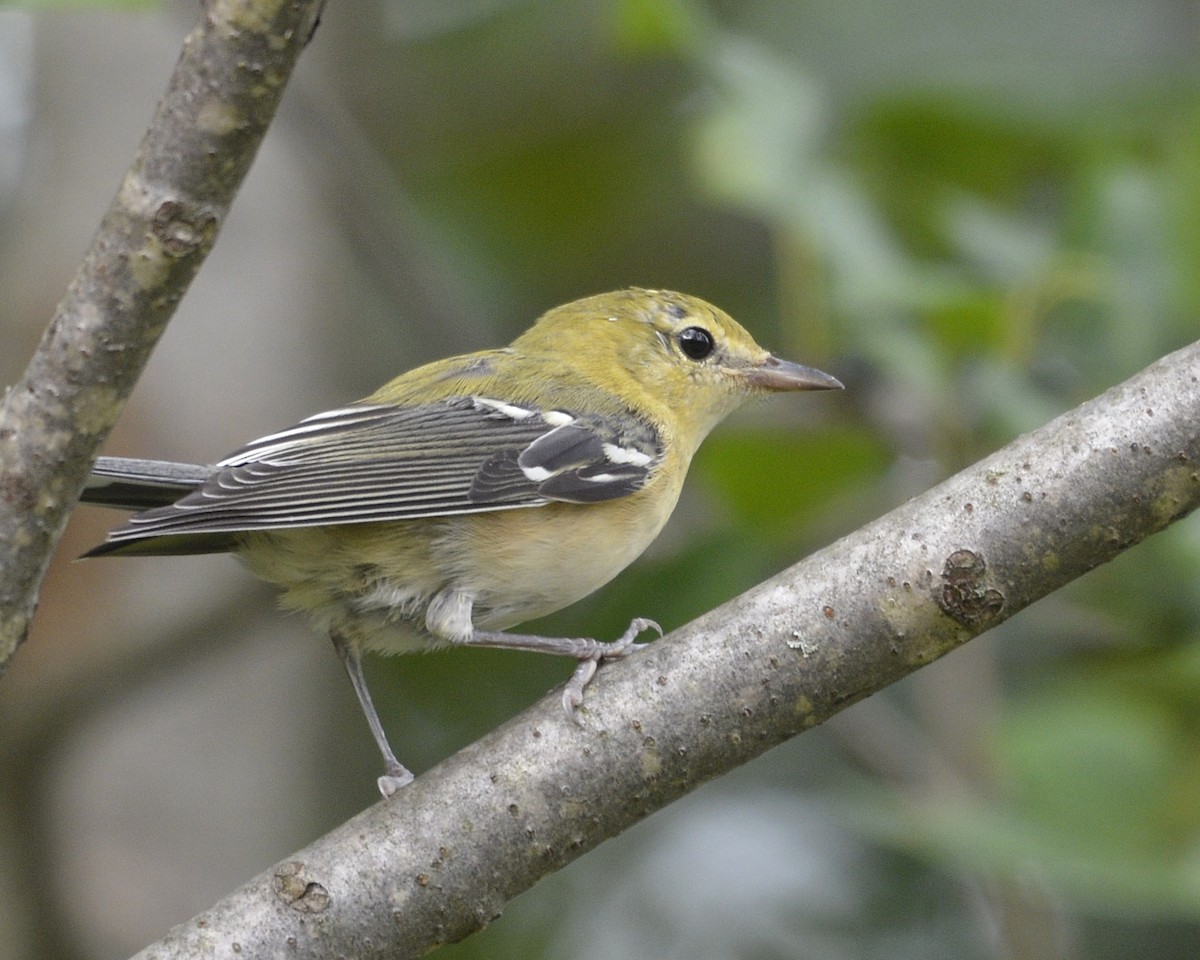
x=776, y=374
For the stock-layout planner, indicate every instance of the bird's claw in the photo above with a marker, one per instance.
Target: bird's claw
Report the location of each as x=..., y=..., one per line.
x=394, y=780
x=624, y=645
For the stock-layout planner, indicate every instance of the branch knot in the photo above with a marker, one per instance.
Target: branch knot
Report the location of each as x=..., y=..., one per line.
x=183, y=228
x=964, y=594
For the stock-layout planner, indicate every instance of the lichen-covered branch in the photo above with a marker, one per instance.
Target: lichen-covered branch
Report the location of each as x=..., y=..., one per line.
x=441, y=858
x=151, y=242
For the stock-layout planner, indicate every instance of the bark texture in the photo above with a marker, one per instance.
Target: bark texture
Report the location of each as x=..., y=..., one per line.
x=440, y=859
x=158, y=230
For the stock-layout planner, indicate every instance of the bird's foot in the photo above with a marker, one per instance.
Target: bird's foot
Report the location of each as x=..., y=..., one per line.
x=597, y=652
x=396, y=777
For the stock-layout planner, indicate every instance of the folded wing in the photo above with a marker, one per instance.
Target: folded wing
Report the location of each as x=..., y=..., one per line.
x=366, y=463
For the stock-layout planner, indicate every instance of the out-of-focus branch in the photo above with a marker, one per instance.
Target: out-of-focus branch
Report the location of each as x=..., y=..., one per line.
x=151, y=242
x=441, y=858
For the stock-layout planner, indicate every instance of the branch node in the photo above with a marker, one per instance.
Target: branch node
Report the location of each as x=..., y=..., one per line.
x=965, y=595
x=183, y=228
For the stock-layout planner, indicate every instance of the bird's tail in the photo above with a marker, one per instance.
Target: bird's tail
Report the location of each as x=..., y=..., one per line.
x=140, y=484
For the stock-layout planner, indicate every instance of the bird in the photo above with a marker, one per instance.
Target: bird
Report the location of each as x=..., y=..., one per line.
x=471, y=494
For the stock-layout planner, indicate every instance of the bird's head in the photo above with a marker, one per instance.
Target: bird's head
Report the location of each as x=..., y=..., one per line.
x=669, y=351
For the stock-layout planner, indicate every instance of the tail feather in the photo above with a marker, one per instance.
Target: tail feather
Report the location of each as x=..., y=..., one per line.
x=141, y=484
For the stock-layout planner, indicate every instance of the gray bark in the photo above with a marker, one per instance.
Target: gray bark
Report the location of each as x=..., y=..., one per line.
x=440, y=859
x=158, y=230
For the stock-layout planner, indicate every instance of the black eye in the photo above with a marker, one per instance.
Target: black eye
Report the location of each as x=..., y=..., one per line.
x=696, y=342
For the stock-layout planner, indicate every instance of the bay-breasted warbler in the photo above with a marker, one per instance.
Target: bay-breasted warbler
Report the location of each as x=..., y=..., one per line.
x=473, y=493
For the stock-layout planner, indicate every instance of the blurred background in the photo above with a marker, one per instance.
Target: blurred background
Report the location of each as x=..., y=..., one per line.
x=977, y=214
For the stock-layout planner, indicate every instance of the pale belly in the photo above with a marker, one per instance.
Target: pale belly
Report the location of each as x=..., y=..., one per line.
x=373, y=584
x=516, y=570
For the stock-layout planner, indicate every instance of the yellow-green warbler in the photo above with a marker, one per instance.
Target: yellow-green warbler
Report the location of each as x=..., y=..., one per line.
x=473, y=493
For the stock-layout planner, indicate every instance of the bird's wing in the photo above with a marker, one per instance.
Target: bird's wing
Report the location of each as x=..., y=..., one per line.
x=367, y=462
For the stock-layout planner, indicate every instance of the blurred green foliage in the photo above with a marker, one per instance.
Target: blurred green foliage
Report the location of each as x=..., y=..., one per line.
x=972, y=245
x=76, y=5
x=977, y=215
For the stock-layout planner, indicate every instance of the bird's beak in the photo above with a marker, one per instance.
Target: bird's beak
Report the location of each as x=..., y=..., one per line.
x=776, y=374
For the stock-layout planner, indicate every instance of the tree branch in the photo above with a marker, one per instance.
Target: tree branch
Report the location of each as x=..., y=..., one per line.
x=158, y=230
x=438, y=861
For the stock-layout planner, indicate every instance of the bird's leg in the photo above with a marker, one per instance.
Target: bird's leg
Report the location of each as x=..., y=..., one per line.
x=396, y=775
x=590, y=653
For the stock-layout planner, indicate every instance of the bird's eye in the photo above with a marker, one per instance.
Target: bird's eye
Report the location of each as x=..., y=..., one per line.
x=696, y=342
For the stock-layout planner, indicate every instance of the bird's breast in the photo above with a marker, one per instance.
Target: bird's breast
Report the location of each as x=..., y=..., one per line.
x=521, y=564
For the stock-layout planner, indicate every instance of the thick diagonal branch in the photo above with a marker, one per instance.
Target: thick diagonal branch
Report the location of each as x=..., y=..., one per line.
x=155, y=235
x=442, y=857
